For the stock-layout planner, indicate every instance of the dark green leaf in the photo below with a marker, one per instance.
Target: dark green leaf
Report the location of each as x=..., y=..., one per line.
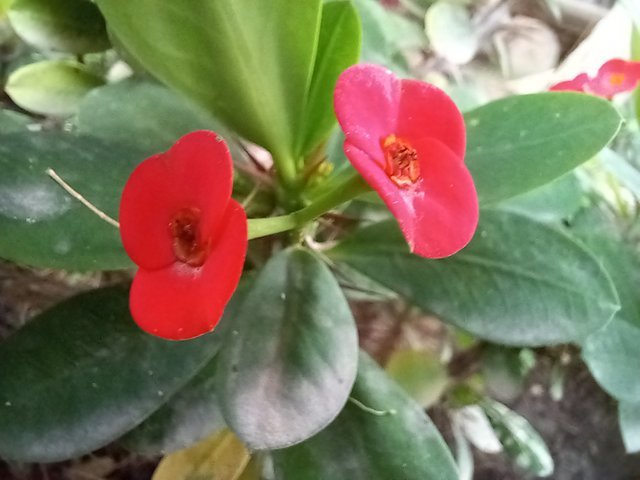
x=139, y=113
x=338, y=48
x=519, y=143
x=44, y=226
x=193, y=413
x=52, y=87
x=41, y=224
x=74, y=26
x=518, y=282
x=396, y=440
x=551, y=203
x=519, y=439
x=505, y=369
x=288, y=366
x=188, y=417
x=247, y=61
x=82, y=374
x=612, y=352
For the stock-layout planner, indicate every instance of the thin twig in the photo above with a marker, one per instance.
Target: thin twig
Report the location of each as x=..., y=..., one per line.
x=69, y=189
x=372, y=411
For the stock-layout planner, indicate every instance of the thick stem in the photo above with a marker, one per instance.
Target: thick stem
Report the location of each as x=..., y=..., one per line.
x=261, y=227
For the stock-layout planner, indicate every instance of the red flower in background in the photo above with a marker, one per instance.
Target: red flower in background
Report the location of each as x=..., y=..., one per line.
x=578, y=84
x=180, y=226
x=407, y=139
x=614, y=76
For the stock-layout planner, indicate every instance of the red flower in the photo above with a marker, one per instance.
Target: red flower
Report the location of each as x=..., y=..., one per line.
x=180, y=226
x=407, y=139
x=615, y=76
x=576, y=85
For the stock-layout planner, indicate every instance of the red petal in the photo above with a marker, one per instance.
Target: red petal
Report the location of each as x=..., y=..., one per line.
x=427, y=112
x=181, y=302
x=196, y=172
x=438, y=216
x=575, y=85
x=602, y=85
x=366, y=100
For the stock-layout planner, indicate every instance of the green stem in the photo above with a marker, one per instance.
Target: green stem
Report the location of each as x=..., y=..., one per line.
x=261, y=227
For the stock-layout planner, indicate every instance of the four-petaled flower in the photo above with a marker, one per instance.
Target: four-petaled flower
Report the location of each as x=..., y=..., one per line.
x=180, y=226
x=407, y=139
x=614, y=76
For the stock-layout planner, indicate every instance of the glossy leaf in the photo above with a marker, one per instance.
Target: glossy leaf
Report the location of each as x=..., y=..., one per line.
x=385, y=436
x=338, y=48
x=52, y=87
x=221, y=456
x=192, y=413
x=41, y=224
x=188, y=417
x=81, y=374
x=551, y=203
x=74, y=26
x=612, y=352
x=286, y=373
x=518, y=282
x=140, y=113
x=629, y=418
x=247, y=61
x=519, y=439
x=44, y=226
x=519, y=143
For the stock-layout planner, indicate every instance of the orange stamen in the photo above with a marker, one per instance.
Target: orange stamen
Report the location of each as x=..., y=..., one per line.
x=401, y=161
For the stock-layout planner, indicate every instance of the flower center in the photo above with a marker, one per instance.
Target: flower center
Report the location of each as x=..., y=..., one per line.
x=186, y=245
x=401, y=161
x=616, y=79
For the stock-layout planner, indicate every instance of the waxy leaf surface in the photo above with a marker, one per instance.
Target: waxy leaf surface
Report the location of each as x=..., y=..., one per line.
x=518, y=282
x=290, y=361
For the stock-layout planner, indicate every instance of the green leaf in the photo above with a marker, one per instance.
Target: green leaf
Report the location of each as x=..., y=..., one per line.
x=286, y=373
x=612, y=352
x=74, y=26
x=11, y=122
x=45, y=227
x=192, y=413
x=629, y=418
x=522, y=142
x=81, y=374
x=421, y=374
x=519, y=439
x=247, y=61
x=189, y=416
x=52, y=87
x=451, y=32
x=140, y=113
x=385, y=35
x=551, y=203
x=518, y=282
x=505, y=369
x=338, y=48
x=384, y=436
